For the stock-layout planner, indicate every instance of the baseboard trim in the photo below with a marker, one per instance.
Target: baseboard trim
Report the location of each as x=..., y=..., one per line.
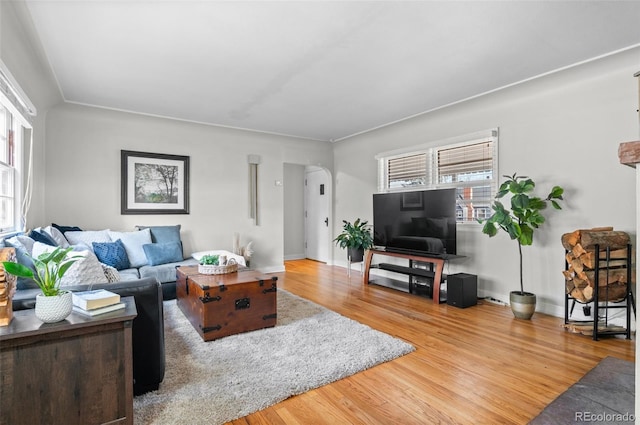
x=294, y=257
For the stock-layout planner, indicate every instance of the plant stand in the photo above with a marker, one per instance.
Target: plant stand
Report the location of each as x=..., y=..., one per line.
x=349, y=262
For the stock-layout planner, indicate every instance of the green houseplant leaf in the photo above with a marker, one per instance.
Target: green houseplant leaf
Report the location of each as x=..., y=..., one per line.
x=49, y=269
x=355, y=235
x=525, y=215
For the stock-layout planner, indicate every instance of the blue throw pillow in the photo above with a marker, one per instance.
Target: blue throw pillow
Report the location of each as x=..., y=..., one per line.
x=163, y=253
x=112, y=254
x=163, y=234
x=42, y=237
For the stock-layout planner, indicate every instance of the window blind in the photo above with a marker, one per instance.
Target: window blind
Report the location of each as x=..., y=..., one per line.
x=465, y=163
x=470, y=169
x=408, y=170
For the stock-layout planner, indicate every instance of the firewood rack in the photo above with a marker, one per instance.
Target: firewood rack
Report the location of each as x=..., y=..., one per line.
x=601, y=327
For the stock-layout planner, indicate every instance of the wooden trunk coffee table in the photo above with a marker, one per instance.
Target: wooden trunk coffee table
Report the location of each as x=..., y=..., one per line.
x=226, y=304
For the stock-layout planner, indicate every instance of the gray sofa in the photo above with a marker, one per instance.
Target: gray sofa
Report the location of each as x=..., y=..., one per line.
x=148, y=283
x=165, y=274
x=108, y=256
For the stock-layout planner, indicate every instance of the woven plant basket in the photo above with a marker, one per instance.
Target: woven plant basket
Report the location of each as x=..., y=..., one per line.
x=230, y=267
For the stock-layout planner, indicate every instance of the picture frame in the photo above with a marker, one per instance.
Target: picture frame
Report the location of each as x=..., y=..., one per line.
x=412, y=201
x=154, y=183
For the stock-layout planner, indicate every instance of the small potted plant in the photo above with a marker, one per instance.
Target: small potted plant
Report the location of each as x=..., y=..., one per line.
x=209, y=260
x=207, y=264
x=519, y=223
x=54, y=304
x=216, y=264
x=356, y=238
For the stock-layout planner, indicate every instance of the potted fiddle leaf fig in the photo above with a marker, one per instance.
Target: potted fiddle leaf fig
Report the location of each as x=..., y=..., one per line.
x=520, y=222
x=53, y=304
x=356, y=237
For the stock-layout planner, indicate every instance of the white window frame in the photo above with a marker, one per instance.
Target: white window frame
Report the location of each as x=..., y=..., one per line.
x=432, y=178
x=22, y=111
x=10, y=173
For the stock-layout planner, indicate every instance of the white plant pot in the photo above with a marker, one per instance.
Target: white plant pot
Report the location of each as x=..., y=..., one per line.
x=54, y=309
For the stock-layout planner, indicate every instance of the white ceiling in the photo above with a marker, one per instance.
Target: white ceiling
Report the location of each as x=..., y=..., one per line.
x=322, y=70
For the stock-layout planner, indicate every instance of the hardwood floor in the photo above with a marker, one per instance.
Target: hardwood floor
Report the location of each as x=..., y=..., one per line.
x=471, y=366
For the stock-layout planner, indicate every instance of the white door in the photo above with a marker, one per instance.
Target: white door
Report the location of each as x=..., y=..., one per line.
x=316, y=224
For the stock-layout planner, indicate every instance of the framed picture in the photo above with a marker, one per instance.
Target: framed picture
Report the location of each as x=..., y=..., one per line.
x=154, y=183
x=412, y=201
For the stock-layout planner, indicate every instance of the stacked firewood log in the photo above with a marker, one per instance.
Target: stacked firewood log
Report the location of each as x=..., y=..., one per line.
x=580, y=274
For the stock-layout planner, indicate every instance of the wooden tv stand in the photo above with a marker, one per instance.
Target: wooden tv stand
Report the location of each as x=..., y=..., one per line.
x=438, y=265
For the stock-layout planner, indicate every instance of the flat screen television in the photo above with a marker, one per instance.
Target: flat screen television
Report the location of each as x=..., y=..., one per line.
x=417, y=222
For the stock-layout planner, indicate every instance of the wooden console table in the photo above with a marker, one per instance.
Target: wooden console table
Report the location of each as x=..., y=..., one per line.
x=438, y=263
x=78, y=371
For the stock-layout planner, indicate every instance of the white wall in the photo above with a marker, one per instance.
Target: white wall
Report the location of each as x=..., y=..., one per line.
x=27, y=65
x=294, y=232
x=83, y=176
x=563, y=129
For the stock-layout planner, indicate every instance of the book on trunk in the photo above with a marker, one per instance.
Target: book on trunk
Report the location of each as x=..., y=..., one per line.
x=89, y=300
x=100, y=310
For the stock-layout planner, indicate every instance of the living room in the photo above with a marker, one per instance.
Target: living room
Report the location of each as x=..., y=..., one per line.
x=560, y=128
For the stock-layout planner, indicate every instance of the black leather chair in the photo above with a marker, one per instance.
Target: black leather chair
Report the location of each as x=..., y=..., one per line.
x=147, y=329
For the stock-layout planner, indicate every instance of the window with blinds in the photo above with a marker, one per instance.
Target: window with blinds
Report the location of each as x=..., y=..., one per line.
x=407, y=171
x=469, y=165
x=470, y=169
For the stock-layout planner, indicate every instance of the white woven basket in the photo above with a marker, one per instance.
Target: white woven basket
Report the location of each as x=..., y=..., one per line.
x=230, y=267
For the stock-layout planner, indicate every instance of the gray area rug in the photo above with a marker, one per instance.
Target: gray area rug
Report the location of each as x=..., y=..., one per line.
x=605, y=395
x=218, y=381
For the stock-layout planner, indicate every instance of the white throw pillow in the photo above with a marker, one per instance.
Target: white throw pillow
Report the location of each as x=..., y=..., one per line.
x=23, y=242
x=86, y=269
x=57, y=236
x=40, y=248
x=133, y=242
x=86, y=237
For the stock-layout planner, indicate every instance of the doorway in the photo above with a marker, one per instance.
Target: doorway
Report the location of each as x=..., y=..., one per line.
x=316, y=214
x=307, y=213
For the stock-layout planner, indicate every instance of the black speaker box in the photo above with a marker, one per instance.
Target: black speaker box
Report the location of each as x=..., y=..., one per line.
x=462, y=290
